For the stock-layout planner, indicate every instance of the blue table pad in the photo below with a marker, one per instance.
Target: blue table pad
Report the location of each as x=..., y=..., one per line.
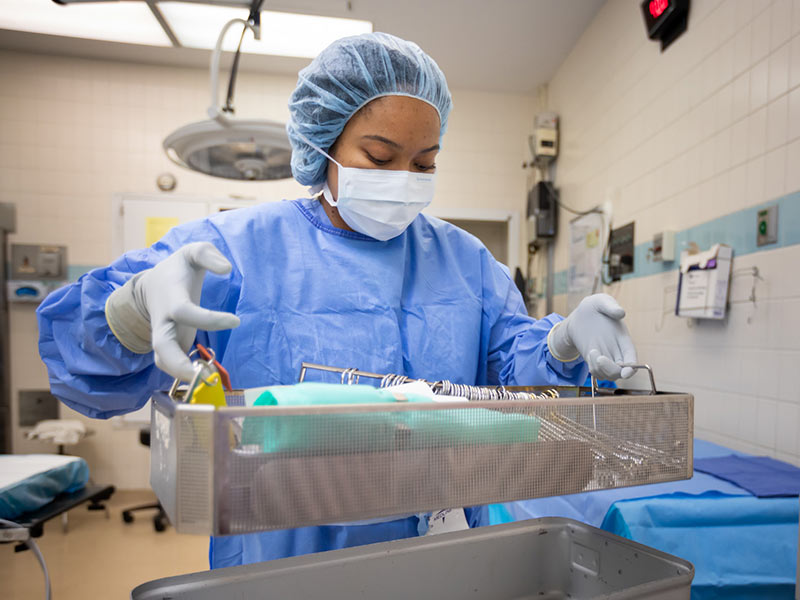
x=39, y=489
x=742, y=547
x=762, y=476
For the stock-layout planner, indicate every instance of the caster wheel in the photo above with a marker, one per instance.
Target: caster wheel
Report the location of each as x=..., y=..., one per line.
x=127, y=517
x=159, y=524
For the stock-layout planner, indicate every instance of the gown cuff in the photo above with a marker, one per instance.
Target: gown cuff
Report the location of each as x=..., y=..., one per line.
x=554, y=340
x=126, y=321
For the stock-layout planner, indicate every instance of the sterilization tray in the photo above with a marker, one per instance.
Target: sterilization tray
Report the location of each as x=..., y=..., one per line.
x=546, y=559
x=243, y=469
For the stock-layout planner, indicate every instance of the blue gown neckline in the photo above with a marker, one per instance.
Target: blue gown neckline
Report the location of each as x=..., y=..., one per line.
x=312, y=210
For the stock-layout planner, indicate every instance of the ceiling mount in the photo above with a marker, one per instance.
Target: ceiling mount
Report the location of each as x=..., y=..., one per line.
x=254, y=6
x=293, y=28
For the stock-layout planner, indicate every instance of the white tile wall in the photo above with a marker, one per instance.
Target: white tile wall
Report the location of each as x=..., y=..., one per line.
x=679, y=138
x=75, y=131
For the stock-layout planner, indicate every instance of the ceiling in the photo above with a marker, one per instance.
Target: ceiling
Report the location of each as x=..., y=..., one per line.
x=493, y=45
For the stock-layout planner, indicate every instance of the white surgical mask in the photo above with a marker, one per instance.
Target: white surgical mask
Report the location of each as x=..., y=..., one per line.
x=377, y=202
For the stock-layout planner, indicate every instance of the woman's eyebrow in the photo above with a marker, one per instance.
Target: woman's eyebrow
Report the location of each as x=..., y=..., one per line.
x=380, y=138
x=393, y=144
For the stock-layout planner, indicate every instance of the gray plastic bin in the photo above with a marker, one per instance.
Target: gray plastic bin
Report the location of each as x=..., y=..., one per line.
x=542, y=559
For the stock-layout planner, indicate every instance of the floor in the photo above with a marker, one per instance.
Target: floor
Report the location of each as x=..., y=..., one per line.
x=99, y=557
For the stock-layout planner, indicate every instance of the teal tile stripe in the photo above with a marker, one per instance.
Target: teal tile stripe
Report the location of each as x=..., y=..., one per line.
x=737, y=229
x=560, y=282
x=75, y=271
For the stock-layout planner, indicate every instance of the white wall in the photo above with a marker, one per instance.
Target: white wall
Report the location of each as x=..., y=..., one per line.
x=707, y=128
x=75, y=131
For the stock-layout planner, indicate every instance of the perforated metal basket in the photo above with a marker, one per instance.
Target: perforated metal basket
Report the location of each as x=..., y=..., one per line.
x=245, y=469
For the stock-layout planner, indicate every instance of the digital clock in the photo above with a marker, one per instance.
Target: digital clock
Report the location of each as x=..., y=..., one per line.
x=657, y=7
x=665, y=20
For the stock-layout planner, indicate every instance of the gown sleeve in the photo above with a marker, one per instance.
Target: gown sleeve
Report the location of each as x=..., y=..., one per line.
x=517, y=351
x=89, y=370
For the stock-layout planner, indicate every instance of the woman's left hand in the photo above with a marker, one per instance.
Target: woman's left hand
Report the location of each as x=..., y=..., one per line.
x=595, y=331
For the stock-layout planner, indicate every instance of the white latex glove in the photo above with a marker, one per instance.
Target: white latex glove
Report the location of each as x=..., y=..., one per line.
x=158, y=309
x=595, y=331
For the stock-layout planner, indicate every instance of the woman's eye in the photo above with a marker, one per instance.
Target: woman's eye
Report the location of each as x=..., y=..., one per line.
x=377, y=161
x=426, y=167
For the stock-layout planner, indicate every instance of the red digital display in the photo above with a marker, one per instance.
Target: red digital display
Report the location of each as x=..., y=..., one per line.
x=665, y=20
x=657, y=7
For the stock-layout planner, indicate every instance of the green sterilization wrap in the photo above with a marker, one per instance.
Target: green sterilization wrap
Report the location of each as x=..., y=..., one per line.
x=376, y=431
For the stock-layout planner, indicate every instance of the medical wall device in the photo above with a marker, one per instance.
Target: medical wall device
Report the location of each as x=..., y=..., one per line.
x=621, y=253
x=704, y=283
x=544, y=142
x=236, y=467
x=36, y=270
x=663, y=248
x=767, y=225
x=542, y=212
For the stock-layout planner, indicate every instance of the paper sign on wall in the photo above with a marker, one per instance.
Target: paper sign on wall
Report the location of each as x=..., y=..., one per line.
x=157, y=227
x=587, y=234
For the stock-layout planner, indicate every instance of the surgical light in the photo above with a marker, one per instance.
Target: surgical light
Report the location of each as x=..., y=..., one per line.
x=227, y=147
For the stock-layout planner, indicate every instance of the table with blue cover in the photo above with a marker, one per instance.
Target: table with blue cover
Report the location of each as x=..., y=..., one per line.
x=30, y=481
x=35, y=488
x=742, y=546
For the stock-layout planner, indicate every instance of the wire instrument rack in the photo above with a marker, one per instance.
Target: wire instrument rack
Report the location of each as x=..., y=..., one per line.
x=240, y=469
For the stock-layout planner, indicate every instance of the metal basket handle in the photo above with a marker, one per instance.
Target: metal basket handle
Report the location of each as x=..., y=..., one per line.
x=635, y=367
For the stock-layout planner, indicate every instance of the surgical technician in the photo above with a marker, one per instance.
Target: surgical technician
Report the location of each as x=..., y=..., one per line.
x=354, y=276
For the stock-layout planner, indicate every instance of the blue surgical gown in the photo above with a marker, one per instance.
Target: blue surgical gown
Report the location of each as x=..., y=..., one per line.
x=431, y=303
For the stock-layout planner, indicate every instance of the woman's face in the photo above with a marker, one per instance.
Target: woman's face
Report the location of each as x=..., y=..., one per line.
x=396, y=133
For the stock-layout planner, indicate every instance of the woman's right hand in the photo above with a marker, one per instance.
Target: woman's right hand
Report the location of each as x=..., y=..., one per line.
x=158, y=309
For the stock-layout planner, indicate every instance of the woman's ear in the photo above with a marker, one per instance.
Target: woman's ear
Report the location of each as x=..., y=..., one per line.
x=333, y=178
